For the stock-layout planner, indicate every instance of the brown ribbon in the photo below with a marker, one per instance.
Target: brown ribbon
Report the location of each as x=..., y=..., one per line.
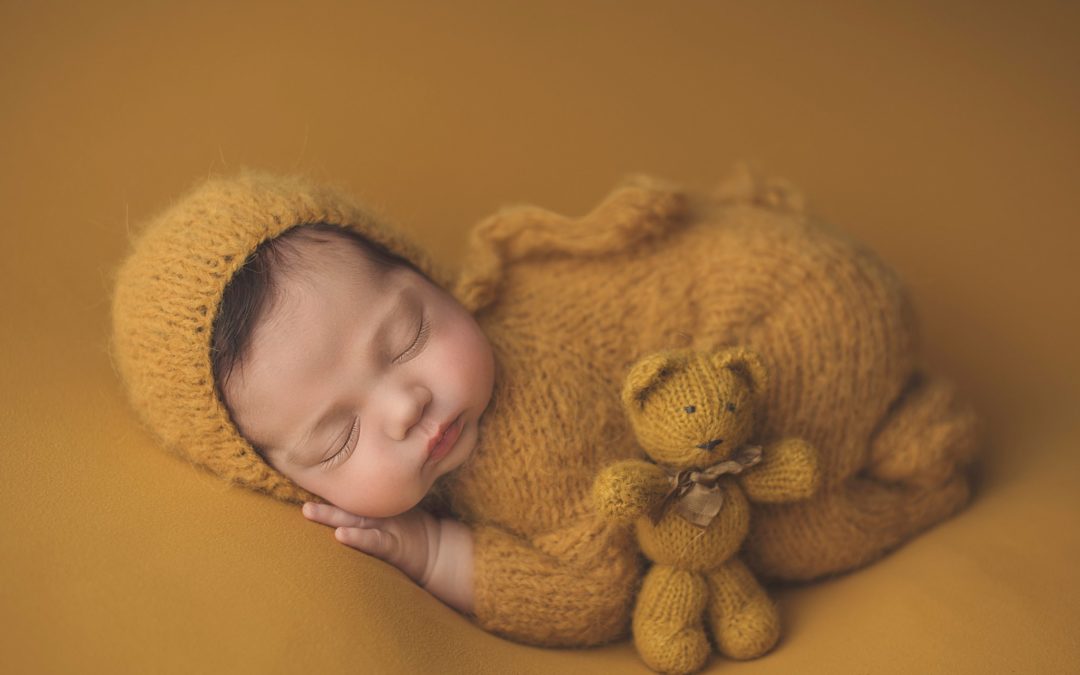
x=695, y=492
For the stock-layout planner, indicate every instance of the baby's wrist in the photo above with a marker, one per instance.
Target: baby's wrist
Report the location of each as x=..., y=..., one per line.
x=451, y=578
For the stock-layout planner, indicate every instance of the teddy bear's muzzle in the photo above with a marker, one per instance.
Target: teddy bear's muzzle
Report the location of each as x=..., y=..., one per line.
x=711, y=444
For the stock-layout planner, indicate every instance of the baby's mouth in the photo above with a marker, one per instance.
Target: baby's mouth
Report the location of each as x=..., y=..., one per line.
x=441, y=444
x=711, y=444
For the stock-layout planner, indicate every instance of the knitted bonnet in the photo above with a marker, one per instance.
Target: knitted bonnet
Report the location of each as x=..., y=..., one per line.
x=168, y=292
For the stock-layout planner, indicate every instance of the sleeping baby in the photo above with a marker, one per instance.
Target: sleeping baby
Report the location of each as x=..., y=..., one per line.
x=273, y=331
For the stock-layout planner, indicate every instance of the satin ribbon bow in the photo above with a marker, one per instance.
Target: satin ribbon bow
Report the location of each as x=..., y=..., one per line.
x=695, y=492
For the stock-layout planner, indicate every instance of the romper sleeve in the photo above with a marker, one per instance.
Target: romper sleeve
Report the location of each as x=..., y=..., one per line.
x=573, y=587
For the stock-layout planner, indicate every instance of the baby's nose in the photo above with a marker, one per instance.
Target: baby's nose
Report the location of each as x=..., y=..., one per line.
x=407, y=411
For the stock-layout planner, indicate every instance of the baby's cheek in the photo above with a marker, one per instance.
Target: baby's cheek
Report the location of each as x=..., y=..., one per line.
x=468, y=355
x=483, y=359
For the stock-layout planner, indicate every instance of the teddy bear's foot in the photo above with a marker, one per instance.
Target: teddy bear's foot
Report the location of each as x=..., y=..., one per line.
x=927, y=434
x=744, y=620
x=668, y=630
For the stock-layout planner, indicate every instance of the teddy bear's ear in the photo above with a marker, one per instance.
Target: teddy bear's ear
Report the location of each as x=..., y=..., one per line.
x=649, y=373
x=748, y=364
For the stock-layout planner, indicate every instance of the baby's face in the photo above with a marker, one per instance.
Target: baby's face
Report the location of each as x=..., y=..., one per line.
x=362, y=385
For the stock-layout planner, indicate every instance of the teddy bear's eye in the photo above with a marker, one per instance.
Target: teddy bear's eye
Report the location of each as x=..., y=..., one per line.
x=689, y=408
x=731, y=407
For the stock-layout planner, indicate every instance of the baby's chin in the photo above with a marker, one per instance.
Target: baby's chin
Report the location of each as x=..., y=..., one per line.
x=405, y=504
x=384, y=511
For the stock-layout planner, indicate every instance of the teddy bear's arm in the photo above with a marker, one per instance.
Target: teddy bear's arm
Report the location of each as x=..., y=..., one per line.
x=627, y=490
x=788, y=472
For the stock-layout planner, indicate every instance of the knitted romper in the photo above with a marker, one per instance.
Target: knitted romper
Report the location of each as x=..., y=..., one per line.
x=569, y=304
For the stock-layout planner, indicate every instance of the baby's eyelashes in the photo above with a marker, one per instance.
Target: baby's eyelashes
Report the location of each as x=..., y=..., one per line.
x=418, y=342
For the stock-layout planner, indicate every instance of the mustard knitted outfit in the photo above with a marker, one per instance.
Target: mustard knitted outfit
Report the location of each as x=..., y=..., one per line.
x=568, y=304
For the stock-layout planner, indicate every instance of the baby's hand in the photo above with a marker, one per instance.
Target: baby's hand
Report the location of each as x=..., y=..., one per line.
x=409, y=542
x=437, y=554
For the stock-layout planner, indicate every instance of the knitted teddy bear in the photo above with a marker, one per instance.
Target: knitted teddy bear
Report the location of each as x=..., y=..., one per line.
x=695, y=414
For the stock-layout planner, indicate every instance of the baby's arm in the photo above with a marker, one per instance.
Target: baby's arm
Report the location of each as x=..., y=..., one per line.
x=437, y=554
x=540, y=593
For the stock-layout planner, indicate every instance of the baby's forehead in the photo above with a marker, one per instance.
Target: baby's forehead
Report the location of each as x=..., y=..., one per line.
x=321, y=273
x=306, y=251
x=319, y=267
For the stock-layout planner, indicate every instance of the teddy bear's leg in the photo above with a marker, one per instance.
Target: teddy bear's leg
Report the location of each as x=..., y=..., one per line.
x=668, y=620
x=845, y=527
x=744, y=620
x=926, y=435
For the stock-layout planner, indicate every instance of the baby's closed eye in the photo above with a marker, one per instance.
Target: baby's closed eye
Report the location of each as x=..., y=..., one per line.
x=345, y=449
x=417, y=345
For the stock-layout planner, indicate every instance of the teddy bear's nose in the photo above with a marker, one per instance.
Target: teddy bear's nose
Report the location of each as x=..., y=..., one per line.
x=711, y=444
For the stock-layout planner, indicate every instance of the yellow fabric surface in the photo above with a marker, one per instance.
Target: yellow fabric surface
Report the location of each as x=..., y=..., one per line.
x=942, y=136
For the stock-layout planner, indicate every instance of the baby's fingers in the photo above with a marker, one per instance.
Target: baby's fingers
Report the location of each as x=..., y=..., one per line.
x=378, y=543
x=328, y=514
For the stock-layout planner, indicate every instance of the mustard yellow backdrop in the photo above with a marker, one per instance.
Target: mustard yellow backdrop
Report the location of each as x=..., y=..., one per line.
x=943, y=134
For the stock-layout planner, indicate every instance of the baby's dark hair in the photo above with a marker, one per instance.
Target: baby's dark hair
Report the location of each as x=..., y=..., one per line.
x=252, y=288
